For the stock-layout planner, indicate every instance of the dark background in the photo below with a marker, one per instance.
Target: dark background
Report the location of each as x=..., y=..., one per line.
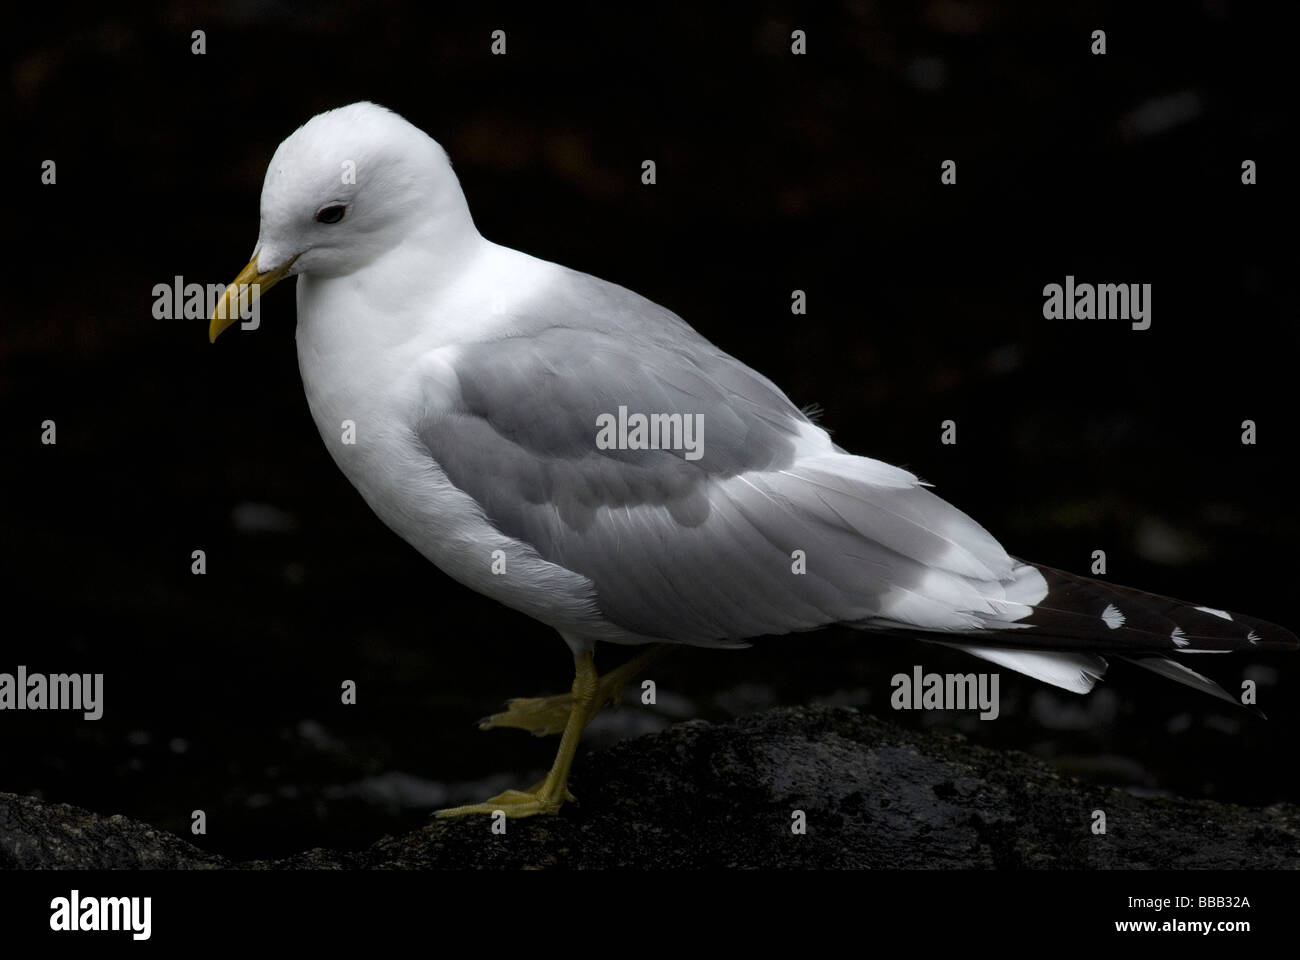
x=775, y=172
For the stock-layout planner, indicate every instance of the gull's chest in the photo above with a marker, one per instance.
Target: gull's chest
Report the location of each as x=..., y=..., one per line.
x=366, y=409
x=356, y=380
x=368, y=400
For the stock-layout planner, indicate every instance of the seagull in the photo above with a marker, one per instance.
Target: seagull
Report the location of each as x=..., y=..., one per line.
x=579, y=453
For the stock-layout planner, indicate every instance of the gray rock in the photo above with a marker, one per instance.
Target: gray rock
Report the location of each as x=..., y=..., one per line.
x=704, y=795
x=53, y=836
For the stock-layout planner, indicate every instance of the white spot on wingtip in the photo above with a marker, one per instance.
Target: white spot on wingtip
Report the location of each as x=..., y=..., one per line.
x=1224, y=614
x=1177, y=637
x=1112, y=617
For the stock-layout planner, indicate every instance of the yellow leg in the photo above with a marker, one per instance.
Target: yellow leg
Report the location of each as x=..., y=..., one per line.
x=552, y=792
x=544, y=716
x=539, y=714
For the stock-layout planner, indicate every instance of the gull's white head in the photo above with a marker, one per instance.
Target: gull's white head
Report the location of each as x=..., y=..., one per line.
x=343, y=189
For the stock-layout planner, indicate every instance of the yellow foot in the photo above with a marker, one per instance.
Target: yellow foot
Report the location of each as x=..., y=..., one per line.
x=515, y=803
x=547, y=716
x=540, y=716
x=568, y=714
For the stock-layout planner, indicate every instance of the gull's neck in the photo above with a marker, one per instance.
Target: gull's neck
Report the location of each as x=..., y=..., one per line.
x=393, y=298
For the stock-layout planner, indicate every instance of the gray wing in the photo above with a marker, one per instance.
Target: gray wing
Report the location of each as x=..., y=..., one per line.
x=700, y=550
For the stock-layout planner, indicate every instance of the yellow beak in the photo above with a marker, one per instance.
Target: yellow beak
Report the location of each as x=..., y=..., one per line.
x=242, y=294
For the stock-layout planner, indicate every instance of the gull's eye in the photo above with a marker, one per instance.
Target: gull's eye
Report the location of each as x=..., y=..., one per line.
x=331, y=214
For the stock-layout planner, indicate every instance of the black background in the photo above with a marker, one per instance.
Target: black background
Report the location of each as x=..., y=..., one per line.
x=775, y=172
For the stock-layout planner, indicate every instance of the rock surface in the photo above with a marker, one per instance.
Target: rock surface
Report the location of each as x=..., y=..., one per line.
x=705, y=795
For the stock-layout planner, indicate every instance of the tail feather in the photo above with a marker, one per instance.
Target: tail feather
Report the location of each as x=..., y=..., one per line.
x=1076, y=672
x=1059, y=628
x=1175, y=671
x=1092, y=616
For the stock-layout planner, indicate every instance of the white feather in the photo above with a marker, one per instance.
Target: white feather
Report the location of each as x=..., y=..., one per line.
x=1076, y=672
